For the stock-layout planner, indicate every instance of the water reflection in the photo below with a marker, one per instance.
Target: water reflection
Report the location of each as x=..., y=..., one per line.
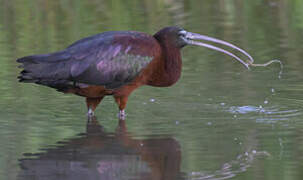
x=97, y=154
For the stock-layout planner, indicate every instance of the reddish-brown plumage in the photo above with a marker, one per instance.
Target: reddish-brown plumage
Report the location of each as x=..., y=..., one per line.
x=164, y=70
x=112, y=63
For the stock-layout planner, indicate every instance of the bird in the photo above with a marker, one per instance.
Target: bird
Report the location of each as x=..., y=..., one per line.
x=115, y=63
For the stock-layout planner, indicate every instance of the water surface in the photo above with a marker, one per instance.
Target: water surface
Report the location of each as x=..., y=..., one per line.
x=220, y=121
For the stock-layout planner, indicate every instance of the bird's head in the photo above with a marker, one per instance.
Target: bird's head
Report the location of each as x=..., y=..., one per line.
x=178, y=37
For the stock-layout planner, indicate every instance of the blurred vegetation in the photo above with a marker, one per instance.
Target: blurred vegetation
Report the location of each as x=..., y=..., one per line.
x=266, y=28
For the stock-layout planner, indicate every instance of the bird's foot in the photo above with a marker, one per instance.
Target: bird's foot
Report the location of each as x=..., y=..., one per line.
x=122, y=115
x=91, y=120
x=90, y=113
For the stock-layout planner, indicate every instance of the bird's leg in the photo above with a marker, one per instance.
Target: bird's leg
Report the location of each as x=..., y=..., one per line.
x=92, y=104
x=121, y=101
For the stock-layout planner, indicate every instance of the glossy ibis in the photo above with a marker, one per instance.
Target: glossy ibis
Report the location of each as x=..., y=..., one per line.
x=116, y=63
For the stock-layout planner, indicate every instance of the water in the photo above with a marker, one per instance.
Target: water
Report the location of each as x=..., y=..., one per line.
x=220, y=121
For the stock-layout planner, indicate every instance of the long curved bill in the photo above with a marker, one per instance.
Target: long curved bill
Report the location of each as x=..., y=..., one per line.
x=190, y=37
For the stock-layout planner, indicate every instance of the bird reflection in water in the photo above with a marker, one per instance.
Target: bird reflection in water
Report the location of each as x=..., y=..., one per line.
x=97, y=154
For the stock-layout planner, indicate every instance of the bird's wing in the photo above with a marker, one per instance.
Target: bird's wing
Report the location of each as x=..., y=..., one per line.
x=111, y=59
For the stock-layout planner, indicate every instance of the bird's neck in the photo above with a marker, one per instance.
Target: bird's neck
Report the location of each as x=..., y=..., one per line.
x=172, y=64
x=167, y=69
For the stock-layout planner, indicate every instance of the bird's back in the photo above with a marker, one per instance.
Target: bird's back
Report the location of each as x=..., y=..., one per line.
x=111, y=59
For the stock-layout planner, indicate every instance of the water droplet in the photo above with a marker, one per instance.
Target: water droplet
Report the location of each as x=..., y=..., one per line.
x=141, y=144
x=226, y=166
x=246, y=153
x=273, y=4
x=177, y=122
x=222, y=104
x=272, y=90
x=144, y=103
x=235, y=116
x=209, y=123
x=254, y=151
x=235, y=139
x=152, y=100
x=265, y=102
x=261, y=109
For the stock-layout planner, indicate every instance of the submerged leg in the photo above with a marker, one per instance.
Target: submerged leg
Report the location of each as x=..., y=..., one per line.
x=121, y=101
x=92, y=104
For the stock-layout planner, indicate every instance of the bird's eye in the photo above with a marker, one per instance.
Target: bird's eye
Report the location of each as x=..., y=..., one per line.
x=182, y=33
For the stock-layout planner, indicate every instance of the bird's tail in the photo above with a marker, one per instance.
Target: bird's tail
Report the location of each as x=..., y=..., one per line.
x=47, y=69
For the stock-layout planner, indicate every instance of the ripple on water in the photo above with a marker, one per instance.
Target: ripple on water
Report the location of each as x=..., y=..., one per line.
x=264, y=114
x=230, y=169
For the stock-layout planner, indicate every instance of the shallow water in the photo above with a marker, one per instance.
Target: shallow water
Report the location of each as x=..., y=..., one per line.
x=220, y=121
